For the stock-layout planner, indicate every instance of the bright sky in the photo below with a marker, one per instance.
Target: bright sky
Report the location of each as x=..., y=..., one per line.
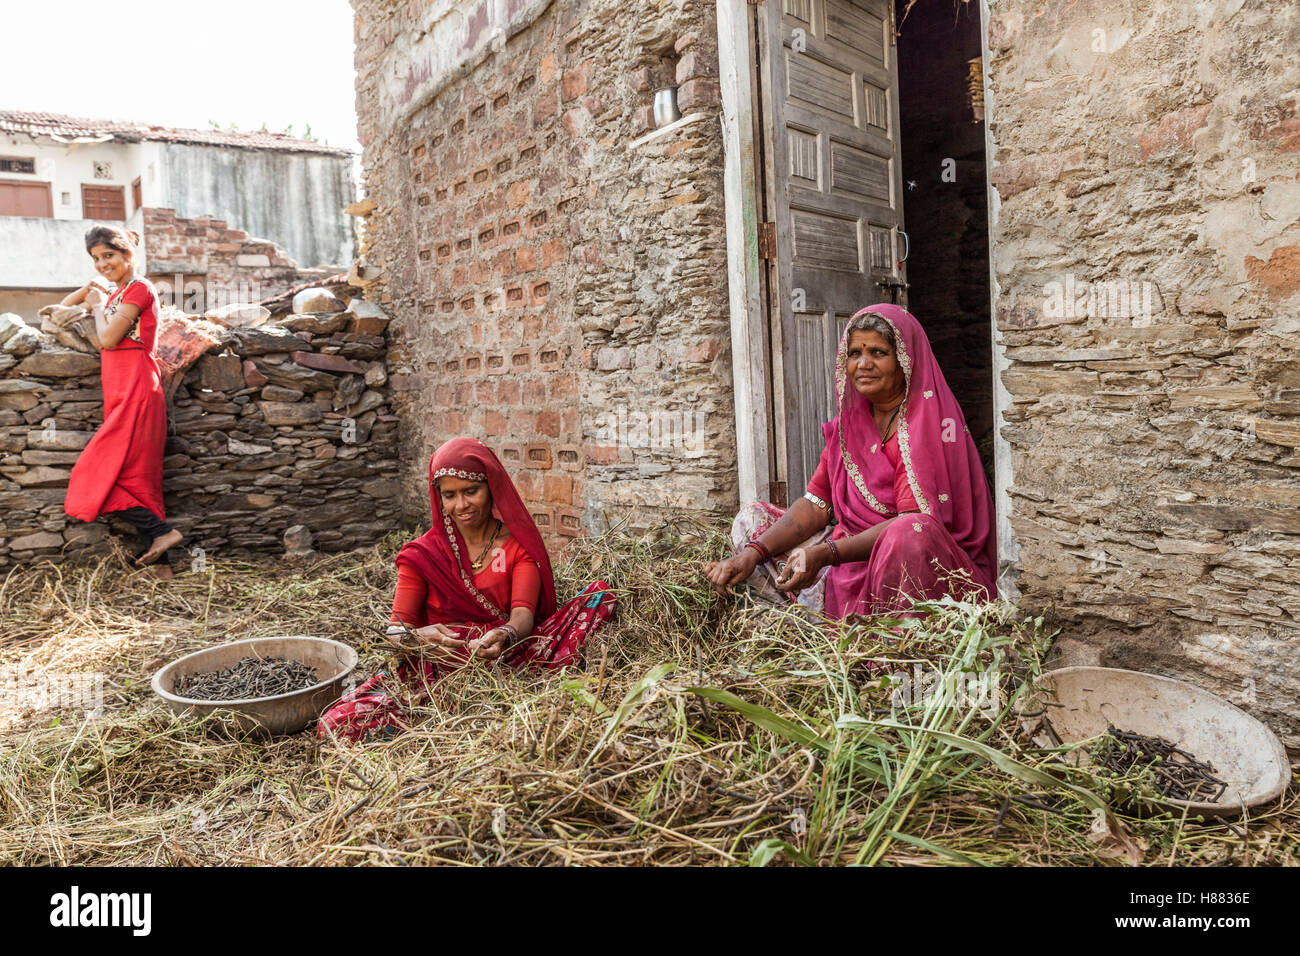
x=246, y=62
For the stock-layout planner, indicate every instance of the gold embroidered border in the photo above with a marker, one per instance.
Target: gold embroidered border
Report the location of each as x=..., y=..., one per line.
x=904, y=443
x=478, y=595
x=110, y=312
x=851, y=466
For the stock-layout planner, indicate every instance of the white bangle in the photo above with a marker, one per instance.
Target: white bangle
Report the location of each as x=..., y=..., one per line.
x=817, y=501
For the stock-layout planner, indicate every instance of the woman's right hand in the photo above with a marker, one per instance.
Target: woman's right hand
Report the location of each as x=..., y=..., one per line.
x=724, y=575
x=440, y=634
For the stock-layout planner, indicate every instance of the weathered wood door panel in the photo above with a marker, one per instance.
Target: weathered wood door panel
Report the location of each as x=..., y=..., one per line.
x=829, y=112
x=25, y=198
x=103, y=202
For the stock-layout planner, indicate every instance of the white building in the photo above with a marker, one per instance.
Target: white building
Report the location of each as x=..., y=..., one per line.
x=61, y=174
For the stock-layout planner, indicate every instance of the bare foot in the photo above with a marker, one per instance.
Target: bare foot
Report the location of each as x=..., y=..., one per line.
x=163, y=570
x=159, y=546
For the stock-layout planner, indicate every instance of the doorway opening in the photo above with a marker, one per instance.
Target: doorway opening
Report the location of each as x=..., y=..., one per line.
x=856, y=171
x=945, y=199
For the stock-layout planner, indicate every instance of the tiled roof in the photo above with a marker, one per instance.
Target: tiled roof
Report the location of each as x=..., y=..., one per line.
x=73, y=127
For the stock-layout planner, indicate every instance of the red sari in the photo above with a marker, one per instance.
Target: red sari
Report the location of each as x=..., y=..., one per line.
x=469, y=603
x=121, y=467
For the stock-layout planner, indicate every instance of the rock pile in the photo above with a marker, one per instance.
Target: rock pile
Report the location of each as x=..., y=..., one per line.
x=279, y=425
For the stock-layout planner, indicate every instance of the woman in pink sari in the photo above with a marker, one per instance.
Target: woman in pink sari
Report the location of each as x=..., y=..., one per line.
x=901, y=479
x=471, y=588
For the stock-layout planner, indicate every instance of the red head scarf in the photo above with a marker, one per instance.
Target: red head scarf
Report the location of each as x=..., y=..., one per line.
x=943, y=465
x=441, y=557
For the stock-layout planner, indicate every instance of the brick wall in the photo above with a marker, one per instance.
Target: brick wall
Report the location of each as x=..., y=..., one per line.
x=225, y=264
x=551, y=280
x=1153, y=452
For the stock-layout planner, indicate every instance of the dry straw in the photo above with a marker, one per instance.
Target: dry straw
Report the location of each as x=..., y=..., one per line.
x=695, y=732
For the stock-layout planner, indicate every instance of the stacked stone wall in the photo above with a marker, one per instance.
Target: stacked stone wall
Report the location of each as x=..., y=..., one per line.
x=278, y=426
x=1147, y=265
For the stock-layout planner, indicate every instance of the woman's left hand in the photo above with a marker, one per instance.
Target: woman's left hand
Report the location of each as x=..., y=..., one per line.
x=799, y=569
x=490, y=645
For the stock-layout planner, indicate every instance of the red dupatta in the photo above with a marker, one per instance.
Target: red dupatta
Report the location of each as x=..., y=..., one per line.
x=441, y=557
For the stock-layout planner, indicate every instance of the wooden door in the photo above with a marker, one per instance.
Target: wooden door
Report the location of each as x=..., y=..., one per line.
x=103, y=202
x=829, y=111
x=20, y=197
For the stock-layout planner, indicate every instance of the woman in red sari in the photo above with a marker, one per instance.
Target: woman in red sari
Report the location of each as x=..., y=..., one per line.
x=471, y=588
x=899, y=475
x=120, y=471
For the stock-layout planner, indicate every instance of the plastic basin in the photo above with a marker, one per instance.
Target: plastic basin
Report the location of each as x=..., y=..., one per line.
x=1082, y=702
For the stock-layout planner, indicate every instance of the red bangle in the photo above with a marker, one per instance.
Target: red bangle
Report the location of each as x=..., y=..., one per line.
x=758, y=546
x=835, y=553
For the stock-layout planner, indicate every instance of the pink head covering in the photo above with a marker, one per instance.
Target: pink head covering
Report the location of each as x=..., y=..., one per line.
x=943, y=466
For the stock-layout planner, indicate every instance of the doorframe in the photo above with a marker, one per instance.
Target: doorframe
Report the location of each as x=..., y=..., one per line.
x=750, y=364
x=1008, y=555
x=755, y=336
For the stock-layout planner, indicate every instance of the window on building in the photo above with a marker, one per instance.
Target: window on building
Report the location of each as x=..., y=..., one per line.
x=17, y=164
x=103, y=170
x=136, y=195
x=21, y=198
x=103, y=202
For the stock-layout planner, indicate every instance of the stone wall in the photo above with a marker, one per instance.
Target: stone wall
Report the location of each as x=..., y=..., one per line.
x=1149, y=152
x=277, y=426
x=558, y=284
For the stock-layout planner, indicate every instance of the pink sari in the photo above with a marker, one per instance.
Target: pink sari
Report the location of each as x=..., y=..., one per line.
x=949, y=546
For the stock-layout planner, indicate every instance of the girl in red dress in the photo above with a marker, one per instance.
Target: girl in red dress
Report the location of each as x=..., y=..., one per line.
x=473, y=587
x=120, y=471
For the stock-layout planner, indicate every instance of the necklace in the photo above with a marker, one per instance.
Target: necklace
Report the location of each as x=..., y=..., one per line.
x=482, y=557
x=884, y=432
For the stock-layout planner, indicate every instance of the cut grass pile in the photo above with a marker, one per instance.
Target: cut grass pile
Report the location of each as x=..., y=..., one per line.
x=695, y=732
